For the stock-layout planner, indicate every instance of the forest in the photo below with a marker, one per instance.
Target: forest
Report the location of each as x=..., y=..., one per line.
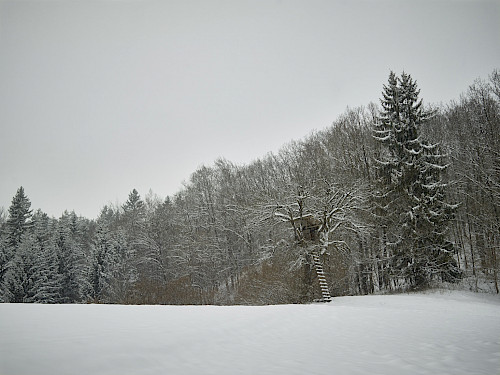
x=395, y=196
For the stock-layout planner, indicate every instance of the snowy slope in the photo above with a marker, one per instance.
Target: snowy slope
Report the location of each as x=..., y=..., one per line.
x=438, y=333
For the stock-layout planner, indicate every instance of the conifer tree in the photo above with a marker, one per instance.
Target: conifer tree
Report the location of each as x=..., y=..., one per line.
x=132, y=244
x=70, y=258
x=48, y=283
x=411, y=192
x=32, y=274
x=19, y=218
x=3, y=265
x=17, y=225
x=17, y=286
x=103, y=266
x=134, y=213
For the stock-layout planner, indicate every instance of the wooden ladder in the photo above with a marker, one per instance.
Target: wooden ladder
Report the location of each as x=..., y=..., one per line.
x=325, y=292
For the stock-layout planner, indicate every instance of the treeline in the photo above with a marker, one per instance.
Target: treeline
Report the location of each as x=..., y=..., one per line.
x=392, y=197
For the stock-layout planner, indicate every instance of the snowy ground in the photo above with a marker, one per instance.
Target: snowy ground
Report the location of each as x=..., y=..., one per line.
x=437, y=333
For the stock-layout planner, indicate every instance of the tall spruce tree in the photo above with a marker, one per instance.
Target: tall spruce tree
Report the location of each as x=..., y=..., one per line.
x=133, y=244
x=32, y=273
x=411, y=194
x=19, y=218
x=17, y=225
x=134, y=214
x=47, y=278
x=103, y=266
x=71, y=263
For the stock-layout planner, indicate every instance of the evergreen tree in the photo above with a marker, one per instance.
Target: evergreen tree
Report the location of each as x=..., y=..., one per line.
x=19, y=218
x=134, y=214
x=103, y=266
x=22, y=276
x=17, y=285
x=133, y=245
x=4, y=258
x=3, y=266
x=411, y=191
x=48, y=279
x=17, y=225
x=70, y=258
x=32, y=273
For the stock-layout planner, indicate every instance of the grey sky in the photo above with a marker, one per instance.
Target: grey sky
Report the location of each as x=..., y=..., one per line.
x=100, y=97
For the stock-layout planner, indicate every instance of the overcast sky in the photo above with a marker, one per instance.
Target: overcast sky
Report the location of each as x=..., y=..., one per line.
x=100, y=97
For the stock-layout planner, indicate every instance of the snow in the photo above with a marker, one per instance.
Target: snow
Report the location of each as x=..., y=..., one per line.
x=436, y=333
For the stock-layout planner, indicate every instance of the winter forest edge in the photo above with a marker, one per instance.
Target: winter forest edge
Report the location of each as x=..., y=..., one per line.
x=391, y=197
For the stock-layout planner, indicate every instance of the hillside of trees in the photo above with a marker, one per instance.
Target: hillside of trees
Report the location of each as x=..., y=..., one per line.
x=402, y=196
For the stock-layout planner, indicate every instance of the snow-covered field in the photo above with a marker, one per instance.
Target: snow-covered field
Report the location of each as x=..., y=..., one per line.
x=436, y=333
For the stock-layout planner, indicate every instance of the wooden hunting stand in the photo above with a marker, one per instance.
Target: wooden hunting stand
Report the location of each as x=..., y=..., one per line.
x=307, y=230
